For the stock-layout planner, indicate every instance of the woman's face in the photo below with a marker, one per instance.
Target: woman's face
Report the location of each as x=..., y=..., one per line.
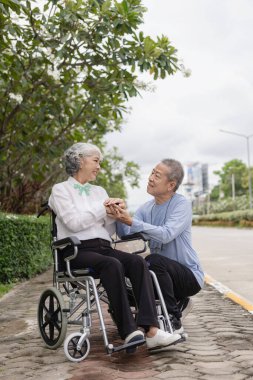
x=90, y=167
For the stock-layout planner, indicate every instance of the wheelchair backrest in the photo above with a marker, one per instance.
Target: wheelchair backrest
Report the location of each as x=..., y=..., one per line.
x=53, y=227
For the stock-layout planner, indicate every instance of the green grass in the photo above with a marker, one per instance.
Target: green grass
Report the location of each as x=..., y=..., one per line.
x=5, y=288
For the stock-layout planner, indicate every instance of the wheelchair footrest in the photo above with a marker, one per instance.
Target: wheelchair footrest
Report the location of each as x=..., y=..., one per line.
x=127, y=347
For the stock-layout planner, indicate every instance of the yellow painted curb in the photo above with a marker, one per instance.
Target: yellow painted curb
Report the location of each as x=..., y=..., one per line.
x=228, y=293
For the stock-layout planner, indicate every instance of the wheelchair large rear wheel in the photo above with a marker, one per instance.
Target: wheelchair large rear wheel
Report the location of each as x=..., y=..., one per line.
x=52, y=320
x=70, y=347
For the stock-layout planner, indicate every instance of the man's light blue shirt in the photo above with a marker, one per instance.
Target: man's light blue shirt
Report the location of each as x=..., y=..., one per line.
x=168, y=226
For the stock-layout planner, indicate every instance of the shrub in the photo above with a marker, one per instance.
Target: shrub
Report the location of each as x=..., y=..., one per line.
x=25, y=246
x=241, y=218
x=221, y=205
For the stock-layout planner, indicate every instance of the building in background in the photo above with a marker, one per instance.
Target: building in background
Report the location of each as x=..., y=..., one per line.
x=196, y=184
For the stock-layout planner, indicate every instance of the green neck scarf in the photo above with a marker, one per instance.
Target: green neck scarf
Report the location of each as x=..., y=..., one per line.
x=83, y=188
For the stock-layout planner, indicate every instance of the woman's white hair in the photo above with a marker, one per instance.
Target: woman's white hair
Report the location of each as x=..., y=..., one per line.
x=79, y=150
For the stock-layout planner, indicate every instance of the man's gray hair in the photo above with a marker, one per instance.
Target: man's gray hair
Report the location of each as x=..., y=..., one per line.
x=176, y=171
x=79, y=150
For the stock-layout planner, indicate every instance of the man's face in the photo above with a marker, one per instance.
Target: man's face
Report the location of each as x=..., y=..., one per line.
x=158, y=182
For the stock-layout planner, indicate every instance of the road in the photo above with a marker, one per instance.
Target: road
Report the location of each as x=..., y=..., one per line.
x=226, y=255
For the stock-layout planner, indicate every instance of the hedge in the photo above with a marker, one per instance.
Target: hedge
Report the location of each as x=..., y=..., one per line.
x=25, y=246
x=241, y=218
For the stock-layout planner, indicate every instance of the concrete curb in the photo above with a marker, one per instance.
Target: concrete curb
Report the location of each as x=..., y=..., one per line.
x=228, y=293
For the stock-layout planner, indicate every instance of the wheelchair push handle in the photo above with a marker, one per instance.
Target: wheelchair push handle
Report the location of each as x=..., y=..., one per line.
x=44, y=209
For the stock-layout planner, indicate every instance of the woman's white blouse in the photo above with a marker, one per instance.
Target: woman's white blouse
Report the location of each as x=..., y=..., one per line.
x=80, y=211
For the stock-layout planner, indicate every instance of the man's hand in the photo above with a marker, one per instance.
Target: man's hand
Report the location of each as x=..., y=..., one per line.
x=116, y=212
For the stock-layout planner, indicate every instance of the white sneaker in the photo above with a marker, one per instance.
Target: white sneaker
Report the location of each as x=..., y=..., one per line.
x=187, y=308
x=134, y=336
x=176, y=325
x=179, y=330
x=162, y=339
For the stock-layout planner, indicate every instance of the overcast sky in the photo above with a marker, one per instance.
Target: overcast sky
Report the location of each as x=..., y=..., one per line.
x=182, y=118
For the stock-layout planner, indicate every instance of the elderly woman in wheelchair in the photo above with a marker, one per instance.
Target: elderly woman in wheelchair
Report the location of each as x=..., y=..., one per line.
x=84, y=231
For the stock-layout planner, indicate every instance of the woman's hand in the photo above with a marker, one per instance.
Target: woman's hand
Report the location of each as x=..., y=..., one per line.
x=115, y=201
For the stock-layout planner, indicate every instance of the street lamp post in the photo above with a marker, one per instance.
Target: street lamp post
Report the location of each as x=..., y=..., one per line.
x=247, y=137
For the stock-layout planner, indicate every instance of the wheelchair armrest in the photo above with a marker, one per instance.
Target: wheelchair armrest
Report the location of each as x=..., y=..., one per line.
x=72, y=241
x=135, y=236
x=62, y=243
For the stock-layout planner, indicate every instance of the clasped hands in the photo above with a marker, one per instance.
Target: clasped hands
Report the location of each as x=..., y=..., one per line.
x=116, y=209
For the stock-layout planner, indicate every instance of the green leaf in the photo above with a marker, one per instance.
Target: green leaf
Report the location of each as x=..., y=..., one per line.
x=106, y=6
x=141, y=37
x=149, y=45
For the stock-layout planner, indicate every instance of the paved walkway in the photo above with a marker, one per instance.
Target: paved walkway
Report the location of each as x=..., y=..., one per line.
x=220, y=344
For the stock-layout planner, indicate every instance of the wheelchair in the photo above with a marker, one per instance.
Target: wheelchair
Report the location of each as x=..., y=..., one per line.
x=76, y=295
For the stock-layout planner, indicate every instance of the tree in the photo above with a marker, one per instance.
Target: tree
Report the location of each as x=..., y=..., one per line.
x=7, y=5
x=231, y=168
x=215, y=193
x=67, y=69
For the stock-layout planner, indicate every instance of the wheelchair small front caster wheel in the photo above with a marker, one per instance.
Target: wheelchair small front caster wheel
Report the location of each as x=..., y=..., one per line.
x=70, y=348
